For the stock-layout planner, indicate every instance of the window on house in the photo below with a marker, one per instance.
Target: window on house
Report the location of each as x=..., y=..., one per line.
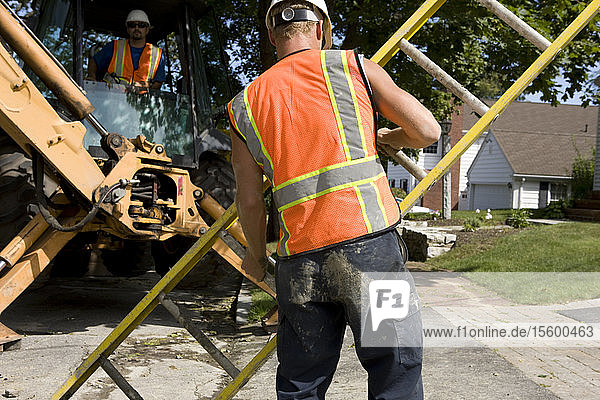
x=404, y=185
x=392, y=183
x=558, y=191
x=433, y=149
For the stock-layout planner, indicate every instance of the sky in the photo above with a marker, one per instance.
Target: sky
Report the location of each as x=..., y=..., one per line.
x=535, y=98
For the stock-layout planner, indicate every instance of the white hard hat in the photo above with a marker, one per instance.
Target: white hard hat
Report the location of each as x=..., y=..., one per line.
x=137, y=16
x=320, y=4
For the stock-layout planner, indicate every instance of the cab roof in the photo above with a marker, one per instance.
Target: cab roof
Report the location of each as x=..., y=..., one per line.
x=108, y=16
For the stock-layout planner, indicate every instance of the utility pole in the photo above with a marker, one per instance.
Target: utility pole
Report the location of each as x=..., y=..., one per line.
x=596, y=186
x=447, y=178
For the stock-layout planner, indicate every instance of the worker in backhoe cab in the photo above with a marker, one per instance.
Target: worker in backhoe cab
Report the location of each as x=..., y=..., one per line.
x=130, y=61
x=309, y=124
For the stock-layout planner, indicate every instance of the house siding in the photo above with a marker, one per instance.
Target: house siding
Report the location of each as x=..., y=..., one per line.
x=529, y=194
x=490, y=166
x=465, y=163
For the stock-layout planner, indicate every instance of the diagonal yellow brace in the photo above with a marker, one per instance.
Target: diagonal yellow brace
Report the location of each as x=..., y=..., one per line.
x=503, y=102
x=406, y=31
x=249, y=370
x=146, y=305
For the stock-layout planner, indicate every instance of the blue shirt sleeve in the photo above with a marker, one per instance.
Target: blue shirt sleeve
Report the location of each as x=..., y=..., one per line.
x=103, y=57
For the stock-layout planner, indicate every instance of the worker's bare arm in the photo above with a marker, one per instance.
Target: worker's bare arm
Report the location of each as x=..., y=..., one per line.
x=419, y=127
x=251, y=206
x=92, y=70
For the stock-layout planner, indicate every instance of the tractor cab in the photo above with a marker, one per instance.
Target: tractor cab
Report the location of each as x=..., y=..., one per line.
x=179, y=114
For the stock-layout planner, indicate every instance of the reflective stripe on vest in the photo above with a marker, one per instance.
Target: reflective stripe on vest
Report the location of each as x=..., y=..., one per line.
x=245, y=124
x=345, y=105
x=359, y=180
x=122, y=64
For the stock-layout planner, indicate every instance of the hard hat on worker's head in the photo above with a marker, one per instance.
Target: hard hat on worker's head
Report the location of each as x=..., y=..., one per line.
x=137, y=16
x=290, y=15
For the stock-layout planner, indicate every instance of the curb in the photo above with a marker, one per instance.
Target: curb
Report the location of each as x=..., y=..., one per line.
x=244, y=302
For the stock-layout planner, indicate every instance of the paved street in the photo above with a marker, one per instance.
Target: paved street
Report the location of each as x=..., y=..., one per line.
x=64, y=320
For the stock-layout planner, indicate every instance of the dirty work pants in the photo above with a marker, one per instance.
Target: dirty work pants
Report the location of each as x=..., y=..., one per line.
x=318, y=294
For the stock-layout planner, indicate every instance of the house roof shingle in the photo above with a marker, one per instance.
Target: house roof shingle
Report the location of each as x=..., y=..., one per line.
x=538, y=139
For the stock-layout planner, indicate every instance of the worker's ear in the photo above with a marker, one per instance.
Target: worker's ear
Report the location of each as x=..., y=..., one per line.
x=320, y=32
x=271, y=39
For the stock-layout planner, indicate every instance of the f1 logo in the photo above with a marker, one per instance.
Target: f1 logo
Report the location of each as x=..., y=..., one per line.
x=389, y=299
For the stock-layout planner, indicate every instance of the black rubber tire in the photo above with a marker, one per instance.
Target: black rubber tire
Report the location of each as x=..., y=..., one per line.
x=215, y=176
x=17, y=193
x=129, y=261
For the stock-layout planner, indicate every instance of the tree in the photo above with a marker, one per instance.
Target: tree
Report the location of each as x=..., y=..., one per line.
x=464, y=38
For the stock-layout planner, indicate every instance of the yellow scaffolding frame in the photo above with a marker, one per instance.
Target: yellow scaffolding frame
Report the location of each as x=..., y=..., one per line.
x=100, y=355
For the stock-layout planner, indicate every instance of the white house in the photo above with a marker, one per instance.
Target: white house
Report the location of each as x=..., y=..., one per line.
x=527, y=156
x=523, y=161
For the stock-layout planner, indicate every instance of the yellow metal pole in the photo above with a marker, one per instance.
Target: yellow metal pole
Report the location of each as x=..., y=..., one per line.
x=406, y=31
x=146, y=305
x=249, y=370
x=503, y=102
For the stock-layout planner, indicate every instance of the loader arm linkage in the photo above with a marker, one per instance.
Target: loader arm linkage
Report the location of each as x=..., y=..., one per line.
x=139, y=193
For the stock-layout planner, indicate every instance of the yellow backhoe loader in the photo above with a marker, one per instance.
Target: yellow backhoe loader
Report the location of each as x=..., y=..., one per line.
x=87, y=164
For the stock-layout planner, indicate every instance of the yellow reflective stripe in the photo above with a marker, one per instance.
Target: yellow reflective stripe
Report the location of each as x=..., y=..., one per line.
x=285, y=244
x=121, y=54
x=150, y=66
x=324, y=169
x=355, y=101
x=330, y=190
x=380, y=202
x=251, y=118
x=363, y=209
x=122, y=66
x=335, y=107
x=234, y=121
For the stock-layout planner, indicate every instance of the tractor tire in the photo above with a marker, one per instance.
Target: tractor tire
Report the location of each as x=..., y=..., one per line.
x=215, y=176
x=19, y=206
x=17, y=193
x=129, y=261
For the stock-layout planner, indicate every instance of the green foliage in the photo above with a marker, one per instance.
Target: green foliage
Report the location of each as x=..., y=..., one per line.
x=518, y=218
x=473, y=223
x=398, y=193
x=464, y=38
x=420, y=216
x=566, y=247
x=261, y=304
x=583, y=175
x=555, y=210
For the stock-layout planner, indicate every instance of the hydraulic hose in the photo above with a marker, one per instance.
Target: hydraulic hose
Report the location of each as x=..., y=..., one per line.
x=38, y=173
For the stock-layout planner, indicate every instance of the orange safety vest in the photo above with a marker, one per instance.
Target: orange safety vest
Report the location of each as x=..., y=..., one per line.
x=309, y=123
x=121, y=64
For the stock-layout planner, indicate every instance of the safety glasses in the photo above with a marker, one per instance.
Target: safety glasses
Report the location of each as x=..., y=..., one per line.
x=132, y=25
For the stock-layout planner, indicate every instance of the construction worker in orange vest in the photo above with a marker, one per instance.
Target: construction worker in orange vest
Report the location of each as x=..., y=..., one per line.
x=309, y=124
x=130, y=61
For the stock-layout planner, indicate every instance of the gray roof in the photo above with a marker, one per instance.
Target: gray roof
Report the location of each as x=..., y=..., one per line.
x=538, y=139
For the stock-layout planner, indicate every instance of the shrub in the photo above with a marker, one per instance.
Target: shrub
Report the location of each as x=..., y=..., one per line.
x=583, y=175
x=420, y=216
x=398, y=193
x=471, y=224
x=518, y=218
x=555, y=210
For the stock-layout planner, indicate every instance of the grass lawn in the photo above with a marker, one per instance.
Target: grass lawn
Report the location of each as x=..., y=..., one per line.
x=538, y=253
x=261, y=304
x=459, y=217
